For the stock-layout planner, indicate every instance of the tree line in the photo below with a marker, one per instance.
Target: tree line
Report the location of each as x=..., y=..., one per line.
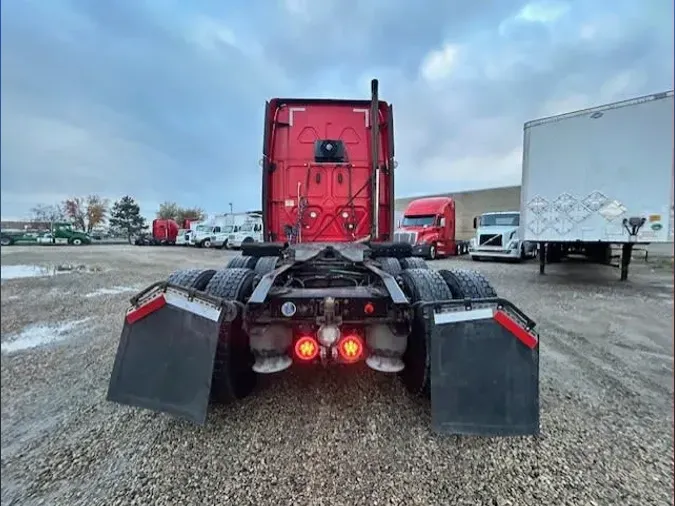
x=123, y=217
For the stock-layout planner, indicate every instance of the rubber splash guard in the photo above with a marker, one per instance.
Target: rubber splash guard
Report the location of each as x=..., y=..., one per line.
x=164, y=363
x=484, y=380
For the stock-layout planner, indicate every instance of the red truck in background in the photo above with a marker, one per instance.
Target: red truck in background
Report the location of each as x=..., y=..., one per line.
x=164, y=232
x=323, y=162
x=428, y=224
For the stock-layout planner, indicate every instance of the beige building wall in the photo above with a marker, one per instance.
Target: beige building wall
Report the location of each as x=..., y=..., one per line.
x=473, y=203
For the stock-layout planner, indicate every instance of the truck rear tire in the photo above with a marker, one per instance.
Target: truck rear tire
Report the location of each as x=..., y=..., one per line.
x=467, y=284
x=191, y=278
x=413, y=263
x=265, y=265
x=390, y=265
x=242, y=262
x=421, y=285
x=233, y=376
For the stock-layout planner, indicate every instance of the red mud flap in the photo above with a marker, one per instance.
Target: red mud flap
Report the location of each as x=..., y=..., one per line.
x=166, y=354
x=484, y=370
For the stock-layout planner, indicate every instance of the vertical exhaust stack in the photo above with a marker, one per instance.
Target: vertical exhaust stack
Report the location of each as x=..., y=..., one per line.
x=375, y=155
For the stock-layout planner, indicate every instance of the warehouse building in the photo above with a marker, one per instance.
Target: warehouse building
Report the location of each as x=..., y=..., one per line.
x=473, y=203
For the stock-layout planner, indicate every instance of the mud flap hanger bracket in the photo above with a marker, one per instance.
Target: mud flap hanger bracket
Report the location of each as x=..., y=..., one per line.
x=230, y=309
x=469, y=304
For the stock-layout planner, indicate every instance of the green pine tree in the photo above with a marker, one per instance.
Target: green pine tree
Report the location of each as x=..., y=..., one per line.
x=125, y=216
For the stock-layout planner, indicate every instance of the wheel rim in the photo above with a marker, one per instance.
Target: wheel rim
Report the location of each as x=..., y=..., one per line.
x=432, y=252
x=207, y=244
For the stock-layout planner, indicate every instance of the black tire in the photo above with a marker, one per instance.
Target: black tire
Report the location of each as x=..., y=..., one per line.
x=467, y=284
x=421, y=285
x=6, y=241
x=233, y=376
x=390, y=265
x=397, y=250
x=433, y=252
x=191, y=278
x=265, y=265
x=413, y=263
x=242, y=262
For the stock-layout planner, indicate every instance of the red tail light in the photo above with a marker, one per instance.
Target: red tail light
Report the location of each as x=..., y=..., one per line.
x=350, y=348
x=306, y=348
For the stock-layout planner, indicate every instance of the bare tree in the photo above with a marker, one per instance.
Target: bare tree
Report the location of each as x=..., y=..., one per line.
x=47, y=213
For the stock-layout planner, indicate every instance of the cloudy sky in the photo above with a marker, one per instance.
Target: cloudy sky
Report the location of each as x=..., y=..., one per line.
x=163, y=99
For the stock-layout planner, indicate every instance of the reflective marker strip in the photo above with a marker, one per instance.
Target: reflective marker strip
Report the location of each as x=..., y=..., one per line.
x=463, y=316
x=149, y=307
x=525, y=337
x=193, y=307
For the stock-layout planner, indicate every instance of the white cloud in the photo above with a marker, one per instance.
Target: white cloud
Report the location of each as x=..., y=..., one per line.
x=570, y=103
x=489, y=170
x=210, y=33
x=623, y=85
x=546, y=11
x=439, y=64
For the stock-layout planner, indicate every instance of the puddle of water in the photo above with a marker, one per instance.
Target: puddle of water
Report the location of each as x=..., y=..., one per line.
x=115, y=290
x=24, y=271
x=34, y=336
x=36, y=271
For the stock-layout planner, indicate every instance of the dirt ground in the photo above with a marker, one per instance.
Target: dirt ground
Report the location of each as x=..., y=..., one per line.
x=334, y=437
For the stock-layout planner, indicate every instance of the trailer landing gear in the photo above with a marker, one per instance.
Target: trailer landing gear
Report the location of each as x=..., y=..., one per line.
x=626, y=254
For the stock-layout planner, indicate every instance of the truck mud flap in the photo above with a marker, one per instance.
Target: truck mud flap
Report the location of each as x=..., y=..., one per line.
x=484, y=370
x=166, y=354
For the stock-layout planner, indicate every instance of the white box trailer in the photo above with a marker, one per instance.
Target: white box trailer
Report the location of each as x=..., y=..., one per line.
x=599, y=177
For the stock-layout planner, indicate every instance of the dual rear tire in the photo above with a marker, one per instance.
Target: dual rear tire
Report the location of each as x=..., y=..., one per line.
x=425, y=285
x=233, y=377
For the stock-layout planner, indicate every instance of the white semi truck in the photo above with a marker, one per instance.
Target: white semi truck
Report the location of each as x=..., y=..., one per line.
x=597, y=178
x=250, y=231
x=217, y=231
x=498, y=236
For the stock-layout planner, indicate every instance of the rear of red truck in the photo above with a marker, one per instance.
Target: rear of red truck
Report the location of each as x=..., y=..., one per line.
x=324, y=161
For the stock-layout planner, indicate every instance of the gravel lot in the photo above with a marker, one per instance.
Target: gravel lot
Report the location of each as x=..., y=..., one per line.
x=333, y=437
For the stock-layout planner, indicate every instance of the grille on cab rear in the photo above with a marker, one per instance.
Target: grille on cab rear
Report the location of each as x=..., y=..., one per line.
x=407, y=237
x=490, y=240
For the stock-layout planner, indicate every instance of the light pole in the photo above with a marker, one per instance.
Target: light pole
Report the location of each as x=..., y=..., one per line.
x=230, y=207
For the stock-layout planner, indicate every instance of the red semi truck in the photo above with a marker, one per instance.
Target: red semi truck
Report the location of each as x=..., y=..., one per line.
x=321, y=170
x=428, y=224
x=164, y=232
x=329, y=287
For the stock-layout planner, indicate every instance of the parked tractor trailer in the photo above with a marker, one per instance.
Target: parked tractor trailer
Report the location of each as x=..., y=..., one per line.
x=428, y=225
x=330, y=287
x=597, y=178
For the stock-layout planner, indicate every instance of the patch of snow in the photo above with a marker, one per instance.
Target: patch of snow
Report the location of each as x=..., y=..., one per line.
x=34, y=336
x=115, y=290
